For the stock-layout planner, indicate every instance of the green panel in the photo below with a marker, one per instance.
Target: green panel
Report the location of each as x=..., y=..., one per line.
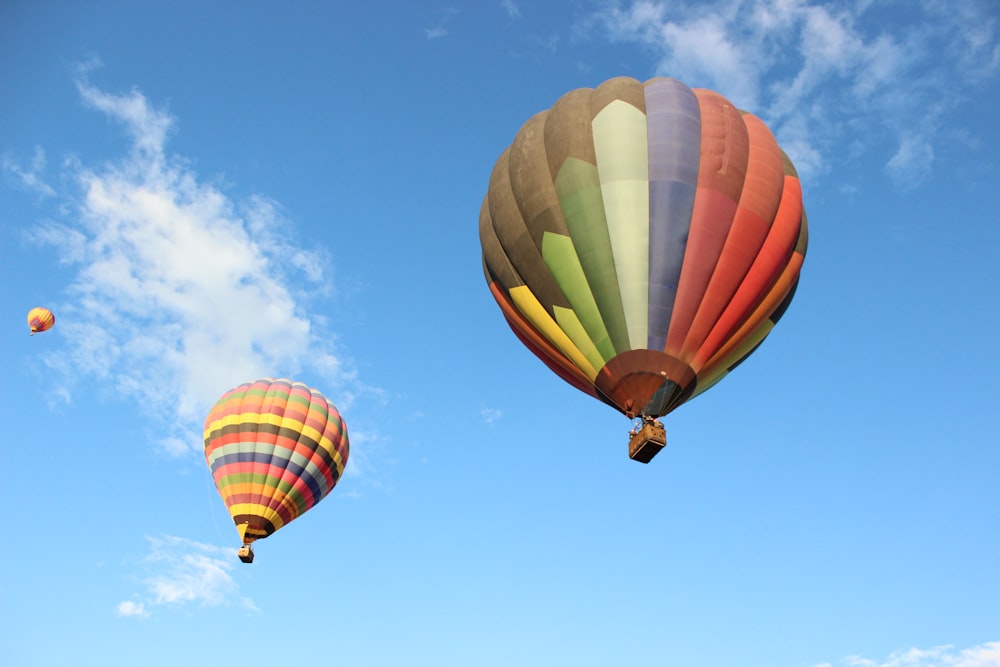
x=248, y=478
x=623, y=166
x=579, y=191
x=572, y=327
x=284, y=488
x=560, y=256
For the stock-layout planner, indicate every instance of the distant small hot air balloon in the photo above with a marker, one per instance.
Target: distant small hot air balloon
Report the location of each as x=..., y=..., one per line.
x=275, y=449
x=40, y=319
x=642, y=239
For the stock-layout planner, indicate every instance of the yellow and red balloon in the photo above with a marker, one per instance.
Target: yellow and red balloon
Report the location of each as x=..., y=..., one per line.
x=40, y=319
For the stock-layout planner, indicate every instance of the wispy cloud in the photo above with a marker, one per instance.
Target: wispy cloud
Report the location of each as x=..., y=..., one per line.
x=181, y=291
x=439, y=29
x=819, y=73
x=129, y=608
x=983, y=655
x=30, y=175
x=511, y=8
x=490, y=415
x=178, y=571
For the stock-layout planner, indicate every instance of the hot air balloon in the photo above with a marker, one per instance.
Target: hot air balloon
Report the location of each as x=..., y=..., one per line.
x=40, y=319
x=275, y=449
x=642, y=239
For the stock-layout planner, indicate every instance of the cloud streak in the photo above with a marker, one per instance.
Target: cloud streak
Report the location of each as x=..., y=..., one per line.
x=183, y=571
x=490, y=416
x=983, y=655
x=129, y=608
x=820, y=73
x=30, y=176
x=180, y=292
x=440, y=29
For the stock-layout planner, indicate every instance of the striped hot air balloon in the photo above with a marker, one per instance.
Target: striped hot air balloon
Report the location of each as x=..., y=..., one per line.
x=275, y=448
x=40, y=319
x=642, y=239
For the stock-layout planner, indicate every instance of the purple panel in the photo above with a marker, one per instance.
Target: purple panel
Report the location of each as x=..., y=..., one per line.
x=673, y=124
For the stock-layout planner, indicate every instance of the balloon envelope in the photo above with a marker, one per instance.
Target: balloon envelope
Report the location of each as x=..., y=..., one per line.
x=642, y=239
x=40, y=319
x=275, y=449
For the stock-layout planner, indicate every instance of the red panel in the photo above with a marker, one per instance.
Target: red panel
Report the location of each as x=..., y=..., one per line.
x=770, y=303
x=758, y=204
x=772, y=258
x=710, y=221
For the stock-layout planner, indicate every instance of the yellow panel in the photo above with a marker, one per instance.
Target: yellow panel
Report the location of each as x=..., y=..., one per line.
x=338, y=460
x=256, y=418
x=257, y=510
x=533, y=311
x=234, y=489
x=572, y=327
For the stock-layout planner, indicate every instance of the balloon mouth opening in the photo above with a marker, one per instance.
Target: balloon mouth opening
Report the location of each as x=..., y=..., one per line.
x=645, y=383
x=252, y=527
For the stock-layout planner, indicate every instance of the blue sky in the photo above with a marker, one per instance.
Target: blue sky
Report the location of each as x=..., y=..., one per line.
x=207, y=193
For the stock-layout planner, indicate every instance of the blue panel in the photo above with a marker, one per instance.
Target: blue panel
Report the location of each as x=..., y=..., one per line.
x=674, y=130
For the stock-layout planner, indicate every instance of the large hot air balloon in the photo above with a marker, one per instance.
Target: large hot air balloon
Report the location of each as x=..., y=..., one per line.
x=275, y=449
x=40, y=319
x=642, y=239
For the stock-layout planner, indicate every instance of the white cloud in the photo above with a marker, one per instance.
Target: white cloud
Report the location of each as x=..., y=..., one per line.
x=820, y=74
x=129, y=608
x=983, y=655
x=30, y=175
x=511, y=8
x=776, y=15
x=705, y=48
x=912, y=162
x=709, y=49
x=184, y=571
x=176, y=447
x=795, y=140
x=490, y=415
x=439, y=29
x=181, y=291
x=147, y=127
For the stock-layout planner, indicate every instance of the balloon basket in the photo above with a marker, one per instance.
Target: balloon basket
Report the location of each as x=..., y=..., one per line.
x=646, y=441
x=245, y=553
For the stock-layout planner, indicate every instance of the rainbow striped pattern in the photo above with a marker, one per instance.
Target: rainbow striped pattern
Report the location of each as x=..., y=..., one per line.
x=275, y=449
x=642, y=239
